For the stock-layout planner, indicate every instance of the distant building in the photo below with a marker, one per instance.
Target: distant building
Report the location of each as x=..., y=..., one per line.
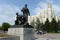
x=48, y=12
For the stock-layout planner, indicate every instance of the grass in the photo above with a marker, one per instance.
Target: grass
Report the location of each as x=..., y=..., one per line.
x=4, y=35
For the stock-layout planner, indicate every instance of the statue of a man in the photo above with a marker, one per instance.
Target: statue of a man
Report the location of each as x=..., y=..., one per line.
x=26, y=13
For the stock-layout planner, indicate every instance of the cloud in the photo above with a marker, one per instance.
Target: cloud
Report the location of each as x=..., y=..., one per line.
x=49, y=1
x=43, y=5
x=40, y=6
x=56, y=9
x=7, y=13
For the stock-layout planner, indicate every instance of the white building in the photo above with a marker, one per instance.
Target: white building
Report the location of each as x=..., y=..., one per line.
x=48, y=12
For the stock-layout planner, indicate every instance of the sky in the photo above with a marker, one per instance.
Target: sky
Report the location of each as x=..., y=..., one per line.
x=8, y=8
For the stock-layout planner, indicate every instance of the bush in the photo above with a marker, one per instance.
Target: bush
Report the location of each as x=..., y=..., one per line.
x=5, y=26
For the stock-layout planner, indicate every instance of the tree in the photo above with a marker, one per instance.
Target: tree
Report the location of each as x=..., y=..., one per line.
x=38, y=25
x=54, y=25
x=5, y=26
x=59, y=24
x=47, y=25
x=1, y=28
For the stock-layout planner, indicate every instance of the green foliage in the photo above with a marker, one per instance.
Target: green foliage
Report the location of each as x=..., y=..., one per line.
x=54, y=26
x=47, y=25
x=51, y=26
x=5, y=26
x=38, y=25
x=59, y=24
x=1, y=28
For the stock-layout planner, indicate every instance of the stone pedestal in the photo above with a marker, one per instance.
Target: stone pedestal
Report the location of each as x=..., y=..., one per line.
x=25, y=33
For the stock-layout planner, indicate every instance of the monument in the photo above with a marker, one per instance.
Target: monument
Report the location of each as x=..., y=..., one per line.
x=22, y=27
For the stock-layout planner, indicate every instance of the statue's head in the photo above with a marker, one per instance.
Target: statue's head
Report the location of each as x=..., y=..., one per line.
x=16, y=13
x=25, y=5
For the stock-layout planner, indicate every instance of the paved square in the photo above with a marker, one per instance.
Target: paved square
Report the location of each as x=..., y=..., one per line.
x=48, y=37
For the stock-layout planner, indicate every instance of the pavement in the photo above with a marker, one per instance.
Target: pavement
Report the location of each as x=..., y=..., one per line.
x=52, y=36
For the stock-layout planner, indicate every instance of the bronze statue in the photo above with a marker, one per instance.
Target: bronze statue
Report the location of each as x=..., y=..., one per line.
x=22, y=19
x=16, y=21
x=25, y=11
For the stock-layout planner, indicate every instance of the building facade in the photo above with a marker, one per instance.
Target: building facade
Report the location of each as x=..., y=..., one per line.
x=48, y=12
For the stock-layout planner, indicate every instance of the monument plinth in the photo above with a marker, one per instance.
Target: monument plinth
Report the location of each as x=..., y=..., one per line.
x=25, y=33
x=22, y=27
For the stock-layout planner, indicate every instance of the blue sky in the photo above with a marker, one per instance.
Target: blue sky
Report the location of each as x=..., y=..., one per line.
x=8, y=8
